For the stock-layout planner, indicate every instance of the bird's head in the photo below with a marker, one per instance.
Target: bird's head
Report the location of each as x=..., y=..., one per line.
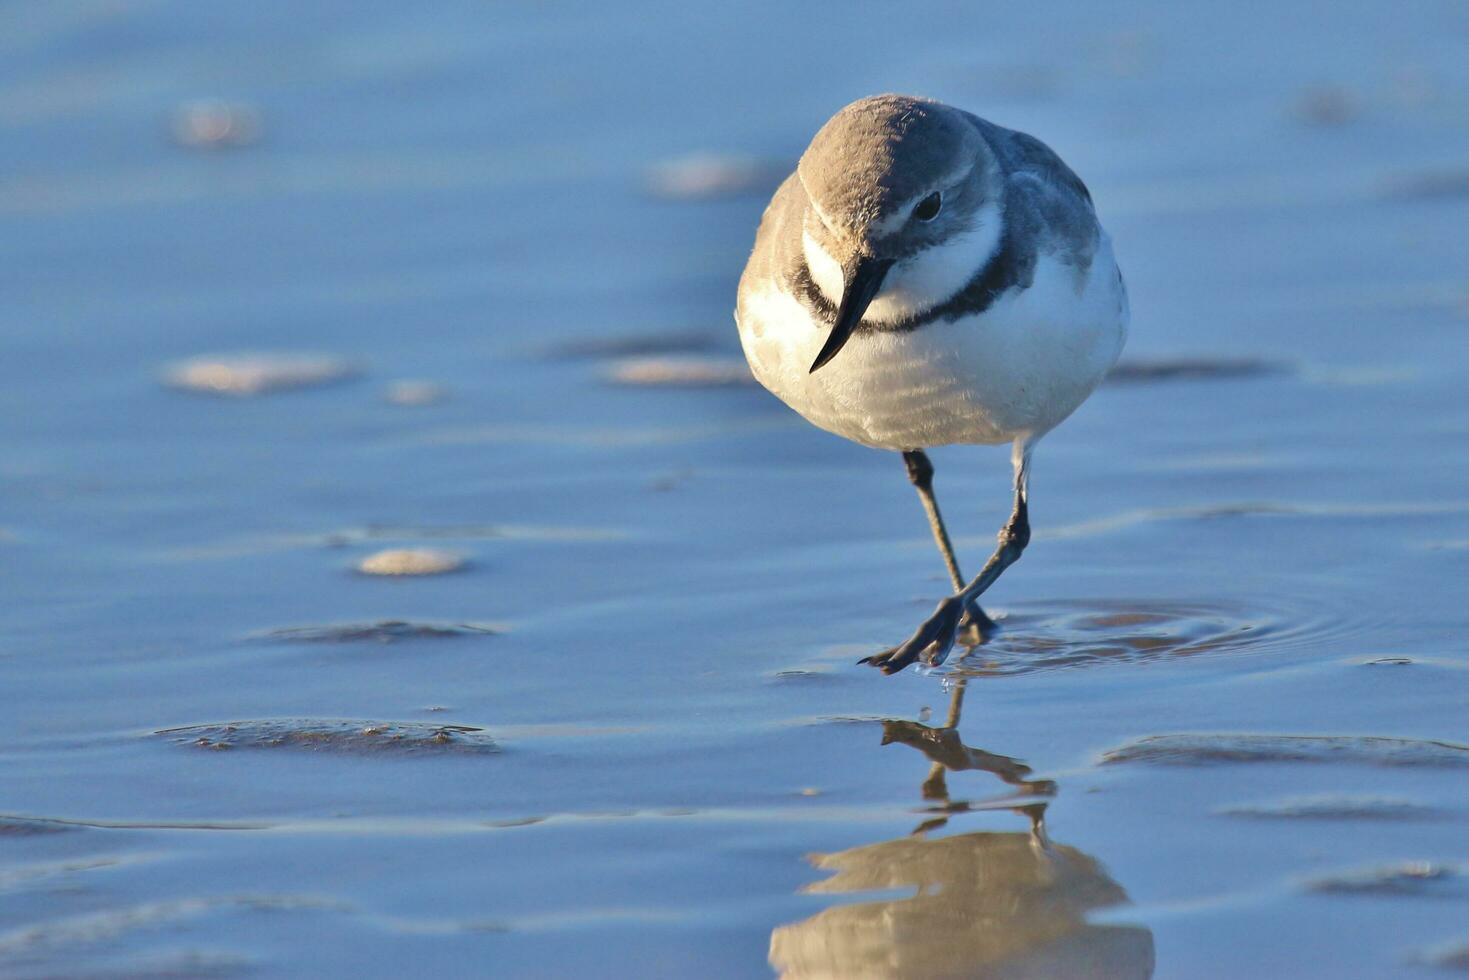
x=903, y=209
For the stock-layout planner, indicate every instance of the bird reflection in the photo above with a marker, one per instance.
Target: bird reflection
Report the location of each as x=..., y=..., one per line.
x=994, y=905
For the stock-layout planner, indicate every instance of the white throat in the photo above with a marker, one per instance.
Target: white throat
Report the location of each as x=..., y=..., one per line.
x=919, y=283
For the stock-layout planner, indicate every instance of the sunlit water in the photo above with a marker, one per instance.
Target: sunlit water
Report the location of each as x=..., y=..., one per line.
x=628, y=736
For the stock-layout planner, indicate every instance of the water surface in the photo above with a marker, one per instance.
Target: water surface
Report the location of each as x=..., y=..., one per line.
x=628, y=736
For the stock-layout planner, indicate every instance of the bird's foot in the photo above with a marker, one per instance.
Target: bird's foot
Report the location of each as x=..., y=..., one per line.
x=936, y=637
x=975, y=628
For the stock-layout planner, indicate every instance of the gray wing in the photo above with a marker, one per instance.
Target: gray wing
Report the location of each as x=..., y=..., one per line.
x=777, y=241
x=1046, y=204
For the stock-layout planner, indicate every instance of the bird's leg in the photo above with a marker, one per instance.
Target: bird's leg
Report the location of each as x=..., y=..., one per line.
x=920, y=474
x=935, y=638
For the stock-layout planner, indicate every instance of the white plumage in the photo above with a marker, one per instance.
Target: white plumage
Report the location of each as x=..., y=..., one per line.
x=1016, y=370
x=925, y=278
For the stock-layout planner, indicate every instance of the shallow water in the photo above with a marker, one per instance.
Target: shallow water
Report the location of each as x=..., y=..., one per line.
x=628, y=737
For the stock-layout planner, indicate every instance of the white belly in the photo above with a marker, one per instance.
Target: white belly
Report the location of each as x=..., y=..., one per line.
x=1016, y=370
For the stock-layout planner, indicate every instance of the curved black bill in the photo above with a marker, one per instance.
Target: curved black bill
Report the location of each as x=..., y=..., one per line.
x=863, y=278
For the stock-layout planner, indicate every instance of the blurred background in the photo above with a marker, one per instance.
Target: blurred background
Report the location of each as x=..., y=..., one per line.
x=371, y=411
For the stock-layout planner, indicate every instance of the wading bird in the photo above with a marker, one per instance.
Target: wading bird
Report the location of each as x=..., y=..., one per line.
x=926, y=278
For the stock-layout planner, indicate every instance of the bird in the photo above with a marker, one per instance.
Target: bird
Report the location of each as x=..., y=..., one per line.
x=925, y=277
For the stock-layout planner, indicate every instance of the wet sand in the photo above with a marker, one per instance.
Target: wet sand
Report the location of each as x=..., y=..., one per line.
x=1221, y=734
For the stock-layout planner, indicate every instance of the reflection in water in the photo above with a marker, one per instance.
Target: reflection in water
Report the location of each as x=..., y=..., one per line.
x=997, y=905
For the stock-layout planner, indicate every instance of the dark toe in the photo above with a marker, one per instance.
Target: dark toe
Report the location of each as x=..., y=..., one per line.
x=888, y=661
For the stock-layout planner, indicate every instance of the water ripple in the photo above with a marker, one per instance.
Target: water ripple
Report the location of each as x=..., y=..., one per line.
x=1081, y=633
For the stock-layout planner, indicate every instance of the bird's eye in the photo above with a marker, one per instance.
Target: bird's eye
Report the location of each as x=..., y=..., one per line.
x=928, y=208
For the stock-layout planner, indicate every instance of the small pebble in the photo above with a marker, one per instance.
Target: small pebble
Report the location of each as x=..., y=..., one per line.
x=701, y=176
x=215, y=124
x=411, y=561
x=412, y=394
x=244, y=375
x=680, y=372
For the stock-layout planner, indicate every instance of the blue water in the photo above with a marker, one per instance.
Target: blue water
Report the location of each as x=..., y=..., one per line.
x=691, y=774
